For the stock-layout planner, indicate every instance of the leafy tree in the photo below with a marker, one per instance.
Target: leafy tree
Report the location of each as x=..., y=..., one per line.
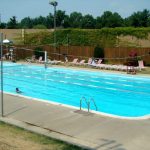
x=139, y=19
x=66, y=22
x=50, y=21
x=39, y=20
x=98, y=23
x=116, y=20
x=38, y=51
x=98, y=52
x=12, y=24
x=75, y=20
x=26, y=23
x=3, y=25
x=39, y=26
x=145, y=16
x=60, y=15
x=88, y=22
x=109, y=19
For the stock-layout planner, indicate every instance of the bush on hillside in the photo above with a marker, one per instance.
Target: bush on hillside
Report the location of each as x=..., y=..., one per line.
x=38, y=51
x=98, y=52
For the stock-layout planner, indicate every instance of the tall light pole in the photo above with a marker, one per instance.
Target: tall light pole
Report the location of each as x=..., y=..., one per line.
x=1, y=55
x=54, y=3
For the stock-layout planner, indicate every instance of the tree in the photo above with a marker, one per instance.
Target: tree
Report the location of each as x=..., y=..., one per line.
x=109, y=19
x=98, y=23
x=60, y=15
x=50, y=21
x=39, y=26
x=12, y=24
x=39, y=20
x=66, y=22
x=98, y=52
x=26, y=23
x=38, y=51
x=3, y=25
x=88, y=22
x=139, y=19
x=145, y=16
x=75, y=20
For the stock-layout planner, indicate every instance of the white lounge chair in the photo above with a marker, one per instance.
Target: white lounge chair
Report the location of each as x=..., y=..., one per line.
x=141, y=65
x=81, y=62
x=31, y=60
x=75, y=61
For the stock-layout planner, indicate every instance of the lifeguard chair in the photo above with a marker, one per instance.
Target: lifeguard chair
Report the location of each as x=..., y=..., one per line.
x=131, y=68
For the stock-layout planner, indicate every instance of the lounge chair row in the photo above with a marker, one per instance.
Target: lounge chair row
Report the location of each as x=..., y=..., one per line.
x=98, y=64
x=91, y=63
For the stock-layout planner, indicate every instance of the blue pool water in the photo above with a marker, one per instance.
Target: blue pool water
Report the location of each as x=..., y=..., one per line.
x=116, y=94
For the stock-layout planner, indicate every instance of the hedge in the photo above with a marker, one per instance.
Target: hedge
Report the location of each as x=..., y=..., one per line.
x=106, y=37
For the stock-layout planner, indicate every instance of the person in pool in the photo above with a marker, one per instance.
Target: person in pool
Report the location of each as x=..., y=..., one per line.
x=18, y=91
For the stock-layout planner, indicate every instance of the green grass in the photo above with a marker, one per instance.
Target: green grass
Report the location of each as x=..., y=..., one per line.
x=47, y=142
x=145, y=71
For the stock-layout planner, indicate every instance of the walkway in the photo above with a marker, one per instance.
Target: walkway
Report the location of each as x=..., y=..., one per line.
x=87, y=130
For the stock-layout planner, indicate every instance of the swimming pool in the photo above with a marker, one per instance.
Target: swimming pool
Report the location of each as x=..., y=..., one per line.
x=115, y=94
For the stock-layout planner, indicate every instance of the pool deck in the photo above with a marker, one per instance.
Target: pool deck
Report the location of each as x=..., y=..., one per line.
x=88, y=130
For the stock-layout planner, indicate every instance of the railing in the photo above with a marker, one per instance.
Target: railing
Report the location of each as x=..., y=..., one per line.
x=92, y=100
x=88, y=103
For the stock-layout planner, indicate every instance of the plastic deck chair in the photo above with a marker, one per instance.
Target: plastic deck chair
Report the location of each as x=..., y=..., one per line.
x=89, y=61
x=75, y=61
x=40, y=59
x=82, y=62
x=141, y=64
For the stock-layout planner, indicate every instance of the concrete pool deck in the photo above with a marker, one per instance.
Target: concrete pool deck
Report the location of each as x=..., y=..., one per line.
x=91, y=131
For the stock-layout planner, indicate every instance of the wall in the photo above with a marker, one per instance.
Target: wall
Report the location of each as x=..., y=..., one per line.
x=112, y=55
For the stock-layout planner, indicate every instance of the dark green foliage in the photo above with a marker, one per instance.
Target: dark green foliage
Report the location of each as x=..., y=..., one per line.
x=88, y=22
x=38, y=51
x=26, y=23
x=3, y=25
x=106, y=37
x=98, y=52
x=39, y=26
x=60, y=15
x=12, y=24
x=77, y=20
x=109, y=19
x=139, y=19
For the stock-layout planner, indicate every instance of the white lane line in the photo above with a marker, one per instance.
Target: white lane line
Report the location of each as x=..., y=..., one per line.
x=109, y=83
x=80, y=79
x=63, y=81
x=93, y=86
x=111, y=89
x=78, y=83
x=28, y=76
x=37, y=77
x=50, y=79
x=122, y=80
x=94, y=81
x=127, y=85
x=68, y=77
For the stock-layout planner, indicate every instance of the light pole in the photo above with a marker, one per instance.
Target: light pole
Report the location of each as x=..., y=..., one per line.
x=1, y=51
x=54, y=3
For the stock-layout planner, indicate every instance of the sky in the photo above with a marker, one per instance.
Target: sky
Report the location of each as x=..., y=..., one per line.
x=35, y=8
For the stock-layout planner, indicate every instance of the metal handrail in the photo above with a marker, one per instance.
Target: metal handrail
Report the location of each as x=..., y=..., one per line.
x=87, y=102
x=91, y=99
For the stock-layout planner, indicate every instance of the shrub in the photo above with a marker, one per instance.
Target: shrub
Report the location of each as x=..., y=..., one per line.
x=38, y=51
x=98, y=52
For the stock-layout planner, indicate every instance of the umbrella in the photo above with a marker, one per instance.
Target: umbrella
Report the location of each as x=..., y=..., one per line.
x=6, y=41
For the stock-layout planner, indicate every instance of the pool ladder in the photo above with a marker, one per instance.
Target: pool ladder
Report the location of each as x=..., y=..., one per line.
x=88, y=102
